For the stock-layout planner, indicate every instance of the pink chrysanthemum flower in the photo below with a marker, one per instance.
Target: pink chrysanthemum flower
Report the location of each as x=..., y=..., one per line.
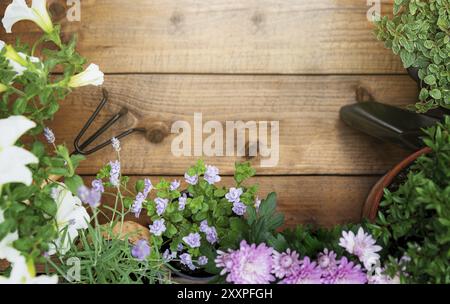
x=307, y=273
x=327, y=262
x=251, y=264
x=362, y=245
x=285, y=264
x=224, y=260
x=348, y=273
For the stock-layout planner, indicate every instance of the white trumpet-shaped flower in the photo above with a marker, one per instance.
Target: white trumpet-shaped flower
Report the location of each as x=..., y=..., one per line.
x=24, y=273
x=7, y=251
x=19, y=10
x=18, y=61
x=13, y=159
x=70, y=217
x=91, y=76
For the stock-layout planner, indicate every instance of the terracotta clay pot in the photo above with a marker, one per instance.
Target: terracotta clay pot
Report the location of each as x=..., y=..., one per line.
x=373, y=201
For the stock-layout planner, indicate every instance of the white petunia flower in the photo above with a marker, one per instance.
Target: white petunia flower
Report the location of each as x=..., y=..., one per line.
x=13, y=159
x=70, y=217
x=19, y=10
x=7, y=251
x=17, y=61
x=91, y=76
x=22, y=274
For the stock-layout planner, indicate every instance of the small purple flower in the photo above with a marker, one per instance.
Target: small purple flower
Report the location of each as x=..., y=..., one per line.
x=158, y=227
x=202, y=261
x=234, y=195
x=285, y=264
x=212, y=175
x=204, y=226
x=180, y=247
x=192, y=180
x=174, y=185
x=141, y=250
x=182, y=202
x=114, y=175
x=49, y=135
x=116, y=144
x=89, y=196
x=169, y=256
x=97, y=185
x=161, y=205
x=193, y=240
x=186, y=260
x=137, y=204
x=239, y=208
x=211, y=235
x=307, y=273
x=147, y=187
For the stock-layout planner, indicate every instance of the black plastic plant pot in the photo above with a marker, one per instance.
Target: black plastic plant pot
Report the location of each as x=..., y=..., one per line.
x=183, y=275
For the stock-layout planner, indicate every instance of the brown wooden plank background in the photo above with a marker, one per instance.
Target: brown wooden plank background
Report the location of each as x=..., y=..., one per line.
x=294, y=61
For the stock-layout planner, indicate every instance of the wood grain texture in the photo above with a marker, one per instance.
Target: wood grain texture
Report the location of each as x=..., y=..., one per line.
x=313, y=140
x=317, y=200
x=225, y=36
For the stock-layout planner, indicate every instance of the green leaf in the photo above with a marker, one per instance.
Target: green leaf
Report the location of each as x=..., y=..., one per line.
x=74, y=183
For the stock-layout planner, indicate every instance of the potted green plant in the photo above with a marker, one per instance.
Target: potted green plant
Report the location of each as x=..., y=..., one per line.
x=419, y=33
x=413, y=219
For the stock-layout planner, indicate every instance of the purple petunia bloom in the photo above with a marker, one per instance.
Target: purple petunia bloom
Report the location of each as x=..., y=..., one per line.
x=251, y=264
x=158, y=227
x=186, y=260
x=234, y=195
x=212, y=175
x=49, y=135
x=307, y=273
x=192, y=240
x=239, y=208
x=174, y=185
x=97, y=185
x=347, y=273
x=285, y=264
x=182, y=200
x=141, y=250
x=116, y=144
x=191, y=180
x=114, y=175
x=202, y=261
x=147, y=187
x=137, y=204
x=89, y=196
x=161, y=205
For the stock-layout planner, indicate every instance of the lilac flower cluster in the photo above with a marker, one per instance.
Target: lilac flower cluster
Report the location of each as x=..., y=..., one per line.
x=252, y=264
x=234, y=196
x=92, y=196
x=49, y=135
x=116, y=144
x=114, y=175
x=136, y=208
x=174, y=185
x=191, y=180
